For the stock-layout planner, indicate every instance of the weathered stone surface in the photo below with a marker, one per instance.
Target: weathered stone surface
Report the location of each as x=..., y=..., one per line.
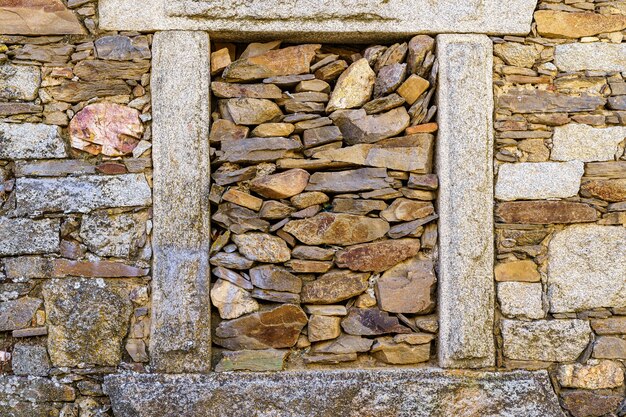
x=38, y=17
x=556, y=23
x=541, y=101
x=275, y=328
x=613, y=190
x=96, y=70
x=225, y=130
x=326, y=310
x=393, y=353
x=30, y=141
x=276, y=296
x=353, y=88
x=413, y=88
x=272, y=130
x=521, y=299
x=17, y=314
x=286, y=61
x=408, y=287
x=516, y=54
x=180, y=340
x=596, y=374
x=545, y=340
x=272, y=277
x=309, y=199
x=357, y=206
x=118, y=235
x=580, y=274
x=76, y=91
x=586, y=143
x=242, y=199
x=609, y=325
x=609, y=347
x=344, y=344
x=30, y=360
x=231, y=260
x=19, y=82
x=590, y=403
x=232, y=301
x=517, y=271
x=358, y=127
x=334, y=286
x=252, y=360
x=262, y=247
x=33, y=390
x=107, y=128
x=12, y=108
x=283, y=185
x=252, y=111
x=371, y=322
x=378, y=256
x=337, y=229
x=545, y=212
x=26, y=267
x=323, y=328
x=539, y=180
x=348, y=181
x=26, y=236
x=231, y=90
x=254, y=150
x=122, y=48
x=465, y=201
x=382, y=104
x=82, y=194
x=406, y=210
x=87, y=320
x=415, y=392
x=388, y=80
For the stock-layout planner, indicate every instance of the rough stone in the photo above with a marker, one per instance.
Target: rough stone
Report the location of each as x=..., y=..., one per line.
x=541, y=101
x=344, y=344
x=252, y=111
x=275, y=328
x=232, y=90
x=334, y=286
x=271, y=130
x=609, y=347
x=394, y=353
x=406, y=210
x=516, y=54
x=609, y=325
x=96, y=70
x=348, y=181
x=87, y=320
x=545, y=340
x=38, y=17
x=30, y=360
x=613, y=190
x=586, y=143
x=337, y=229
x=283, y=185
x=107, y=128
x=252, y=360
x=254, y=150
x=262, y=247
x=326, y=310
x=521, y=299
x=596, y=374
x=242, y=199
x=26, y=236
x=77, y=91
x=545, y=212
x=388, y=80
x=357, y=206
x=82, y=194
x=231, y=260
x=17, y=314
x=225, y=130
x=119, y=235
x=19, y=82
x=580, y=274
x=465, y=201
x=590, y=403
x=122, y=48
x=539, y=180
x=271, y=277
x=377, y=256
x=556, y=23
x=413, y=88
x=418, y=47
x=371, y=322
x=353, y=88
x=180, y=340
x=358, y=127
x=323, y=328
x=407, y=288
x=34, y=390
x=517, y=271
x=30, y=141
x=232, y=301
x=304, y=200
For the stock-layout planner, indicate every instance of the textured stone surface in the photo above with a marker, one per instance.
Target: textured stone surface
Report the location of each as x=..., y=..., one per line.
x=580, y=274
x=371, y=322
x=591, y=56
x=543, y=101
x=411, y=392
x=334, y=286
x=81, y=194
x=394, y=353
x=252, y=360
x=540, y=180
x=122, y=48
x=262, y=247
x=612, y=190
x=30, y=360
x=16, y=314
x=30, y=141
x=465, y=201
x=521, y=299
x=609, y=347
x=545, y=340
x=232, y=301
x=26, y=236
x=354, y=87
x=283, y=185
x=19, y=82
x=377, y=256
x=596, y=374
x=586, y=143
x=407, y=287
x=87, y=320
x=38, y=17
x=590, y=403
x=556, y=23
x=337, y=229
x=181, y=337
x=523, y=271
x=342, y=21
x=118, y=235
x=545, y=212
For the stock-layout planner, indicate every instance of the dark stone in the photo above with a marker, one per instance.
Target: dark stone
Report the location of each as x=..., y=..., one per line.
x=371, y=322
x=545, y=212
x=590, y=403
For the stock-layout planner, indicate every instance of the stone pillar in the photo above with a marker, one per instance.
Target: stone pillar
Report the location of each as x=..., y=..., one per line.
x=180, y=340
x=465, y=167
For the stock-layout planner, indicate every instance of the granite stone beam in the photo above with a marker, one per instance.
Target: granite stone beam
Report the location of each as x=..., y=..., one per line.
x=465, y=166
x=180, y=339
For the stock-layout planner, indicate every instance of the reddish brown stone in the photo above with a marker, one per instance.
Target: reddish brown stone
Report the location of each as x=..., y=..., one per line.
x=371, y=322
x=377, y=256
x=408, y=287
x=590, y=403
x=276, y=328
x=610, y=190
x=111, y=168
x=101, y=269
x=333, y=287
x=38, y=17
x=545, y=212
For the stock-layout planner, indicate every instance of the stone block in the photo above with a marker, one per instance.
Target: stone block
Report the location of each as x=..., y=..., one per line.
x=81, y=194
x=586, y=143
x=27, y=236
x=87, y=320
x=30, y=141
x=465, y=201
x=586, y=268
x=545, y=212
x=38, y=17
x=16, y=314
x=545, y=340
x=598, y=56
x=117, y=235
x=400, y=392
x=595, y=374
x=34, y=390
x=539, y=180
x=30, y=360
x=181, y=333
x=19, y=82
x=521, y=299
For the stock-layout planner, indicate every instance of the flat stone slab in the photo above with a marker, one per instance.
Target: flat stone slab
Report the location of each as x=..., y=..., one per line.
x=374, y=393
x=580, y=142
x=539, y=180
x=345, y=20
x=31, y=141
x=591, y=56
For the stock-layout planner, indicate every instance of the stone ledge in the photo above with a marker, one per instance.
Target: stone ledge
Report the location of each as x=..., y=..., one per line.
x=414, y=392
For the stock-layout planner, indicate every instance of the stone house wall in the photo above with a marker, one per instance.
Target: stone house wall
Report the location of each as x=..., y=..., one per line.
x=77, y=298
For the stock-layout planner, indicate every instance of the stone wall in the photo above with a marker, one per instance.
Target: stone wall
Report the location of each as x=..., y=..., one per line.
x=560, y=127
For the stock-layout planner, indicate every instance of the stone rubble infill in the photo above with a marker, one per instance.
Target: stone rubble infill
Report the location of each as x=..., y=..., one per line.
x=319, y=189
